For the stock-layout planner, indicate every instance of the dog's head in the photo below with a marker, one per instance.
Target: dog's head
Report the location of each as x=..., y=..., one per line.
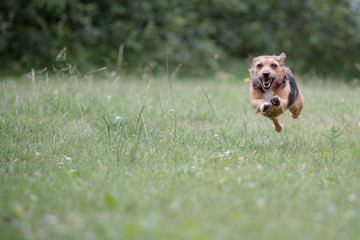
x=266, y=71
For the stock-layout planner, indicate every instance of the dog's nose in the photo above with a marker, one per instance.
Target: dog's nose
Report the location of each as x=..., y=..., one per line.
x=266, y=74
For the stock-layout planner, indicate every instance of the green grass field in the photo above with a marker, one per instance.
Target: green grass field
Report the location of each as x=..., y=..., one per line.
x=118, y=159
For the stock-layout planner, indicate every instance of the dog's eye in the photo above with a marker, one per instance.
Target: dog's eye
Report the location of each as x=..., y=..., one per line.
x=273, y=65
x=259, y=65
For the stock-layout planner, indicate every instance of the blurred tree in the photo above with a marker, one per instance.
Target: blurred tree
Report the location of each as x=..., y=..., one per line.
x=317, y=35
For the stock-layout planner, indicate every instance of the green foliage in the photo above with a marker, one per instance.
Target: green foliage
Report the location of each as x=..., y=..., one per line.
x=316, y=35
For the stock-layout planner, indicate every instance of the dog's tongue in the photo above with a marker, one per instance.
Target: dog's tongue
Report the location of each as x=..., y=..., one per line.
x=267, y=80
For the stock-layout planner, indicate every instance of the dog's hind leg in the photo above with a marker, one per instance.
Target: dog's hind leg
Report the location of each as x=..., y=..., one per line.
x=278, y=126
x=297, y=106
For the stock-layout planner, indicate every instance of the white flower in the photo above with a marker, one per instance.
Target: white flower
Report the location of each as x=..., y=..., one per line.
x=227, y=153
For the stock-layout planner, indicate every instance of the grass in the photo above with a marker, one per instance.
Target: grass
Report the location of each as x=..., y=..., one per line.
x=104, y=159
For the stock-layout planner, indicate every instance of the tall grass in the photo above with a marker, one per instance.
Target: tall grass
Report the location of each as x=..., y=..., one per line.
x=95, y=158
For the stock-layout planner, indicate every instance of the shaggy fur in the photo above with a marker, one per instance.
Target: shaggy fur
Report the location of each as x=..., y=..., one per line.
x=273, y=89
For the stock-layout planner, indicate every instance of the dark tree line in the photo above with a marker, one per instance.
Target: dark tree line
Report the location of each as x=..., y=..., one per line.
x=319, y=35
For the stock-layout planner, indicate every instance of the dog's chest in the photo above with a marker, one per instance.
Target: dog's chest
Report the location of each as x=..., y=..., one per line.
x=267, y=95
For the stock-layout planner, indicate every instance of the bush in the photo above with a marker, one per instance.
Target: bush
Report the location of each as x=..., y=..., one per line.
x=319, y=35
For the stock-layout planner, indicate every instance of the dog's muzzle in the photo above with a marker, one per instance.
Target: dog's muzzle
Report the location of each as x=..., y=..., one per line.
x=266, y=82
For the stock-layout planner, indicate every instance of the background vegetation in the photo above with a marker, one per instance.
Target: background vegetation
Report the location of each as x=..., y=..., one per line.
x=321, y=36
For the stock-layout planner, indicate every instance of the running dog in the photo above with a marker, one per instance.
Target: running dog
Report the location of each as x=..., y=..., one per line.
x=273, y=89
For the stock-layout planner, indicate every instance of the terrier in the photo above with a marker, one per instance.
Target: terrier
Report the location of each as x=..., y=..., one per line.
x=273, y=89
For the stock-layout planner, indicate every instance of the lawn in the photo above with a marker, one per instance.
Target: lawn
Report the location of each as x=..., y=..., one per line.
x=118, y=158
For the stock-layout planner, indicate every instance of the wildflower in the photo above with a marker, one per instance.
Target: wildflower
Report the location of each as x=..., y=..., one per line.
x=37, y=173
x=118, y=117
x=37, y=154
x=227, y=153
x=227, y=169
x=246, y=80
x=66, y=158
x=283, y=166
x=259, y=168
x=241, y=160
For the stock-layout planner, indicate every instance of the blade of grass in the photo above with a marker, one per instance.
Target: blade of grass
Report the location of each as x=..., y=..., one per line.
x=208, y=99
x=108, y=129
x=171, y=91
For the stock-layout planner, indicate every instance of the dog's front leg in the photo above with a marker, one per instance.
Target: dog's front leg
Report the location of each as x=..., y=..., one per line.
x=279, y=105
x=260, y=105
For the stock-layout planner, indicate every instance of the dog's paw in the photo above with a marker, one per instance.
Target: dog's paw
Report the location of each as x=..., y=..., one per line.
x=275, y=101
x=279, y=128
x=265, y=107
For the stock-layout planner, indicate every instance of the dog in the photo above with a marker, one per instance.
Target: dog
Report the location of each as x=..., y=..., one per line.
x=273, y=89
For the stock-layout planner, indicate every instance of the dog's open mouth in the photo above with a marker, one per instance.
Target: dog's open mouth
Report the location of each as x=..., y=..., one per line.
x=266, y=82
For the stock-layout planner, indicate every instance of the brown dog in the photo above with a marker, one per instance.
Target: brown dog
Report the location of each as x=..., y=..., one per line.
x=273, y=89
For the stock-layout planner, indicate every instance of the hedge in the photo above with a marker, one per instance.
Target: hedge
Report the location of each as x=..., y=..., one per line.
x=321, y=36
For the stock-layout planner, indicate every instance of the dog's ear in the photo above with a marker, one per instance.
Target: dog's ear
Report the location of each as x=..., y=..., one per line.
x=283, y=55
x=281, y=58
